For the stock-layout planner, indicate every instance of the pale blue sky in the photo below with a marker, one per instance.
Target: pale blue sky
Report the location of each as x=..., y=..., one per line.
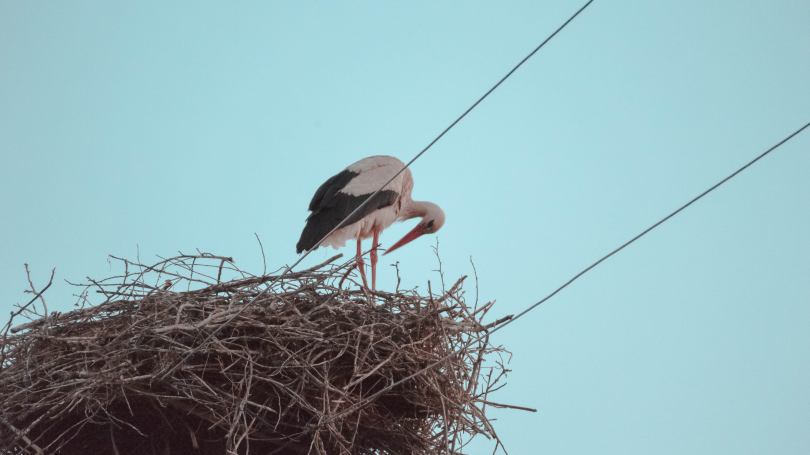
x=195, y=124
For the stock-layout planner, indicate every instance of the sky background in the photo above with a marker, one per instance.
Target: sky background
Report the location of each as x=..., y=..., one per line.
x=157, y=127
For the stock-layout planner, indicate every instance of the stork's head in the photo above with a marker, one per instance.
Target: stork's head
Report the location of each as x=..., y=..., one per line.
x=432, y=220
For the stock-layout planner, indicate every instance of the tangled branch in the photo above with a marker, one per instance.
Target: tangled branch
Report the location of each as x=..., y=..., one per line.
x=307, y=368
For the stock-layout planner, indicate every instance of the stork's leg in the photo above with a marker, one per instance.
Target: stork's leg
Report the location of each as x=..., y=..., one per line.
x=361, y=266
x=374, y=245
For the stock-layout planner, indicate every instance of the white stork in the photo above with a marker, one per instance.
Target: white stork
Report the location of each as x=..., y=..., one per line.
x=339, y=196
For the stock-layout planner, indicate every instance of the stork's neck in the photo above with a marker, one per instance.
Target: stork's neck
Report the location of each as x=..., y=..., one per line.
x=423, y=209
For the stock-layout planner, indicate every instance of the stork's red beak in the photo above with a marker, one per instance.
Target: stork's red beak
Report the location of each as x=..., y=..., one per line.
x=415, y=233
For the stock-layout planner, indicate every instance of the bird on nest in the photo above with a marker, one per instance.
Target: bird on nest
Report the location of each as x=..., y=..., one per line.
x=345, y=191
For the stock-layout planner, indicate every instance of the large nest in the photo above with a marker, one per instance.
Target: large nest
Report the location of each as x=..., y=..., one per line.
x=179, y=359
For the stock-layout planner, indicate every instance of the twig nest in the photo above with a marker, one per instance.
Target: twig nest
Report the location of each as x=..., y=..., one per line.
x=178, y=360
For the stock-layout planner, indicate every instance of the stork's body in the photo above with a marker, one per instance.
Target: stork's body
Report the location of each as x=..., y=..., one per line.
x=344, y=192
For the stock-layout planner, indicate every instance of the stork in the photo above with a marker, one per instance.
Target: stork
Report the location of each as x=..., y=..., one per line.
x=339, y=196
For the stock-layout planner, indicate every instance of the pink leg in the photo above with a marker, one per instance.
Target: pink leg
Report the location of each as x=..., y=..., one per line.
x=361, y=266
x=375, y=243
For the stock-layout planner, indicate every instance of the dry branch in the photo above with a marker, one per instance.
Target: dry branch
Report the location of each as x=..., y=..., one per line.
x=306, y=368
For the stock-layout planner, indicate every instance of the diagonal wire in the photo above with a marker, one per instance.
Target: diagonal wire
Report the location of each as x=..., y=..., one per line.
x=449, y=127
x=501, y=323
x=651, y=227
x=365, y=202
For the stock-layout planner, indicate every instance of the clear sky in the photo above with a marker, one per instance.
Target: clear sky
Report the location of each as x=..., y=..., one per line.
x=164, y=126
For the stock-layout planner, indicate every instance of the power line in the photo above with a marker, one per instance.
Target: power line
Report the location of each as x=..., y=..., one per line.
x=586, y=269
x=651, y=227
x=449, y=127
x=407, y=165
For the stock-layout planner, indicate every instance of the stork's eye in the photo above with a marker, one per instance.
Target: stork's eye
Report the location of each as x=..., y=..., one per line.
x=429, y=225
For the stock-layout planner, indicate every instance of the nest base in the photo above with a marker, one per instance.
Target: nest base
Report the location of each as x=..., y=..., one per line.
x=177, y=360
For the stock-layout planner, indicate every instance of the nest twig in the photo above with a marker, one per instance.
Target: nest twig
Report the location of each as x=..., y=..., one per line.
x=172, y=361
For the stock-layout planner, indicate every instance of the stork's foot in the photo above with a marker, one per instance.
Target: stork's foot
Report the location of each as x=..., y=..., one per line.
x=361, y=267
x=374, y=246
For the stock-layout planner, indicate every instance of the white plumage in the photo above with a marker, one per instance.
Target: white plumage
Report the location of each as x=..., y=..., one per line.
x=343, y=193
x=373, y=172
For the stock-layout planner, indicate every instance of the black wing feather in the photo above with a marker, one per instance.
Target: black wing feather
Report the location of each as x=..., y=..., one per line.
x=331, y=207
x=329, y=189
